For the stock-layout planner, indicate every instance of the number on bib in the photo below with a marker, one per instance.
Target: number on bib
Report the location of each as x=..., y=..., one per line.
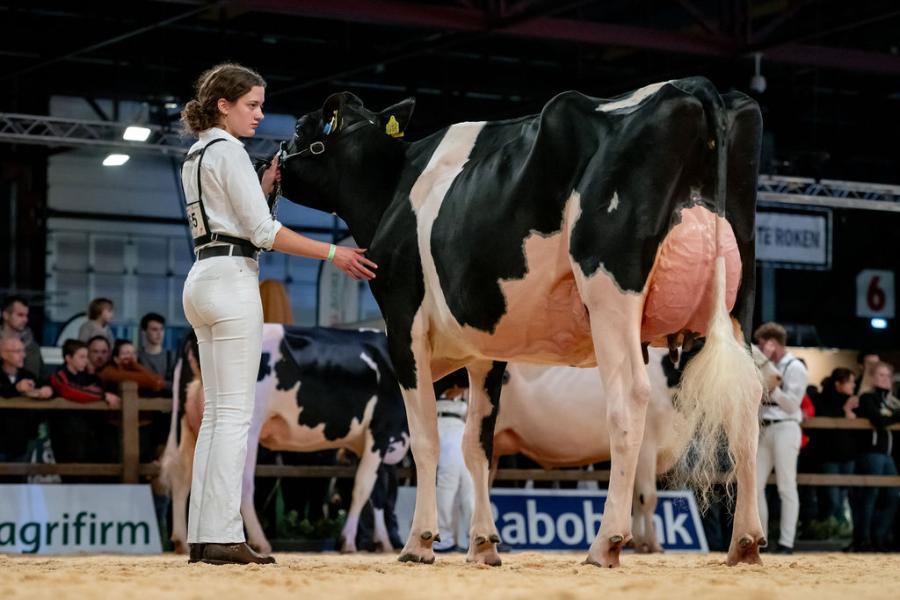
x=195, y=219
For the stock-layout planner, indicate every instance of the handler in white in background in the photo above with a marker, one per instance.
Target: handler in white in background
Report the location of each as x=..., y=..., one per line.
x=455, y=491
x=231, y=222
x=779, y=436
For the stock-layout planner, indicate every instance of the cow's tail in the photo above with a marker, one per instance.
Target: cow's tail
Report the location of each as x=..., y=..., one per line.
x=718, y=398
x=721, y=386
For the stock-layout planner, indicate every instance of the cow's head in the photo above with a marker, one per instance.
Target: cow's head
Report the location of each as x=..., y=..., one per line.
x=342, y=149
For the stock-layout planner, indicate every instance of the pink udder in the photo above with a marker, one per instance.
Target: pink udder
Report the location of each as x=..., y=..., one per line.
x=680, y=292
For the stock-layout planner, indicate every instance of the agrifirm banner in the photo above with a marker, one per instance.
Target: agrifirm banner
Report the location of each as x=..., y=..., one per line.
x=569, y=519
x=78, y=519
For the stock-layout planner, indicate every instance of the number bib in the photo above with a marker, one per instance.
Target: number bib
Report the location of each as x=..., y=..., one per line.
x=196, y=220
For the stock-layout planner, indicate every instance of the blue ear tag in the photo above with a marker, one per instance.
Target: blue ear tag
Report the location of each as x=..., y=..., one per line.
x=327, y=129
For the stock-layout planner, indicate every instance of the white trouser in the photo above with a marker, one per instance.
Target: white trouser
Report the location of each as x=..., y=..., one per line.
x=779, y=446
x=222, y=303
x=454, y=484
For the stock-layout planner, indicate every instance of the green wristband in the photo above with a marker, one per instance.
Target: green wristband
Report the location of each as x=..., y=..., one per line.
x=331, y=250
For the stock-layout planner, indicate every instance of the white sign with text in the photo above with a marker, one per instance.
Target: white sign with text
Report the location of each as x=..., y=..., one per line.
x=78, y=519
x=797, y=239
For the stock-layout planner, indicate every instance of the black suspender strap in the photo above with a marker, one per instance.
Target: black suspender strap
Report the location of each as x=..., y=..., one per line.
x=197, y=219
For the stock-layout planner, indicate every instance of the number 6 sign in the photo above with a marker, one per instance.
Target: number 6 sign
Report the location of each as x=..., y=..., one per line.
x=875, y=294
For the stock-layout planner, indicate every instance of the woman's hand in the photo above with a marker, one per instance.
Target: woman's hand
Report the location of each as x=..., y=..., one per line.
x=353, y=262
x=25, y=386
x=849, y=406
x=270, y=176
x=114, y=401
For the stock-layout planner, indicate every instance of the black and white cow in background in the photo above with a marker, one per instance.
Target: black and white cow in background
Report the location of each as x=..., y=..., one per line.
x=578, y=236
x=318, y=388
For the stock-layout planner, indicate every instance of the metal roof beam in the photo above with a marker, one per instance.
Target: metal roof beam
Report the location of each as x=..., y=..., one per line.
x=393, y=12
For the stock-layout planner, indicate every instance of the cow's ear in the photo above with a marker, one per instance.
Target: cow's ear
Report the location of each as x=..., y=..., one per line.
x=394, y=119
x=335, y=108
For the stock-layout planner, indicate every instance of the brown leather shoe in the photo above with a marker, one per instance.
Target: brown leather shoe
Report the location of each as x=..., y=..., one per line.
x=234, y=554
x=196, y=553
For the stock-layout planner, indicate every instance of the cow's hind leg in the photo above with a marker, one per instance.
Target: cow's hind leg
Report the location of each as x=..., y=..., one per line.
x=485, y=381
x=181, y=486
x=256, y=537
x=615, y=327
x=363, y=483
x=747, y=534
x=645, y=499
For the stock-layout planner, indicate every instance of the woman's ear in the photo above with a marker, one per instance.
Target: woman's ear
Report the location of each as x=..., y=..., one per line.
x=223, y=105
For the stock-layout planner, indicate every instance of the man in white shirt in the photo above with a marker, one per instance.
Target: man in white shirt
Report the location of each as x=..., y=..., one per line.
x=779, y=438
x=455, y=491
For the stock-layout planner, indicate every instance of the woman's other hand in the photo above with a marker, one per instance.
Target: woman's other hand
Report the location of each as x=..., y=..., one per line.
x=353, y=262
x=270, y=176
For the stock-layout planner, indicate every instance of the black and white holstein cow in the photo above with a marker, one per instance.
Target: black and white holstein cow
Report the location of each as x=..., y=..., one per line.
x=578, y=237
x=318, y=388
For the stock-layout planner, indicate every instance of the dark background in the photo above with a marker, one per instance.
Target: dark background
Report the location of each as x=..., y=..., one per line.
x=830, y=106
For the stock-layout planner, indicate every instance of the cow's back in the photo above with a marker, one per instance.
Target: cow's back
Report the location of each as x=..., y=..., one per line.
x=324, y=388
x=588, y=184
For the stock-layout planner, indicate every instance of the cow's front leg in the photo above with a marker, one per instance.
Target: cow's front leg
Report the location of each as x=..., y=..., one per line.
x=363, y=482
x=421, y=412
x=615, y=327
x=485, y=381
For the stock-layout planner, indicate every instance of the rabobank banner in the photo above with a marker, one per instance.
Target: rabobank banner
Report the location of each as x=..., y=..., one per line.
x=569, y=519
x=78, y=519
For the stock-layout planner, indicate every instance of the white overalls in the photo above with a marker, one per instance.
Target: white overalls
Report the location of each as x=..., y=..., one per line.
x=222, y=303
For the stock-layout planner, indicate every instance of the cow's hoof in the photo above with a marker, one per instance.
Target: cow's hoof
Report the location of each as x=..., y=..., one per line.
x=411, y=557
x=345, y=546
x=647, y=547
x=607, y=555
x=745, y=550
x=418, y=548
x=428, y=536
x=483, y=550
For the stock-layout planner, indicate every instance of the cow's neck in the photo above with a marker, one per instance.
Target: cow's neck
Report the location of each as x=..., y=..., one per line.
x=366, y=194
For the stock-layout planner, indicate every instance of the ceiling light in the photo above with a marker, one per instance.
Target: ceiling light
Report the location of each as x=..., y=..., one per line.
x=878, y=323
x=115, y=160
x=171, y=105
x=136, y=134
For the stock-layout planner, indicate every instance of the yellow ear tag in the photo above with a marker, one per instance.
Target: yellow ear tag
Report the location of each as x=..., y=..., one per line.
x=393, y=128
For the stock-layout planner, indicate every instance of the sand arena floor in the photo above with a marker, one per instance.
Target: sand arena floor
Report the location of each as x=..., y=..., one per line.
x=523, y=575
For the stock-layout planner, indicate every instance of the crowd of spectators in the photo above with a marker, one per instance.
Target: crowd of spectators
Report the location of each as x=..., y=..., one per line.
x=93, y=368
x=864, y=515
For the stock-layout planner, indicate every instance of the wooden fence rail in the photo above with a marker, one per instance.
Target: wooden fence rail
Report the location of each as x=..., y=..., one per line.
x=130, y=469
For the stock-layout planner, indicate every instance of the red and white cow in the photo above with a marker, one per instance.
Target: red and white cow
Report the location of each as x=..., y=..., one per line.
x=555, y=417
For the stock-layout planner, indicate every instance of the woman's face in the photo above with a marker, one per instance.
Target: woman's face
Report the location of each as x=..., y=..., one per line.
x=847, y=386
x=882, y=378
x=241, y=117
